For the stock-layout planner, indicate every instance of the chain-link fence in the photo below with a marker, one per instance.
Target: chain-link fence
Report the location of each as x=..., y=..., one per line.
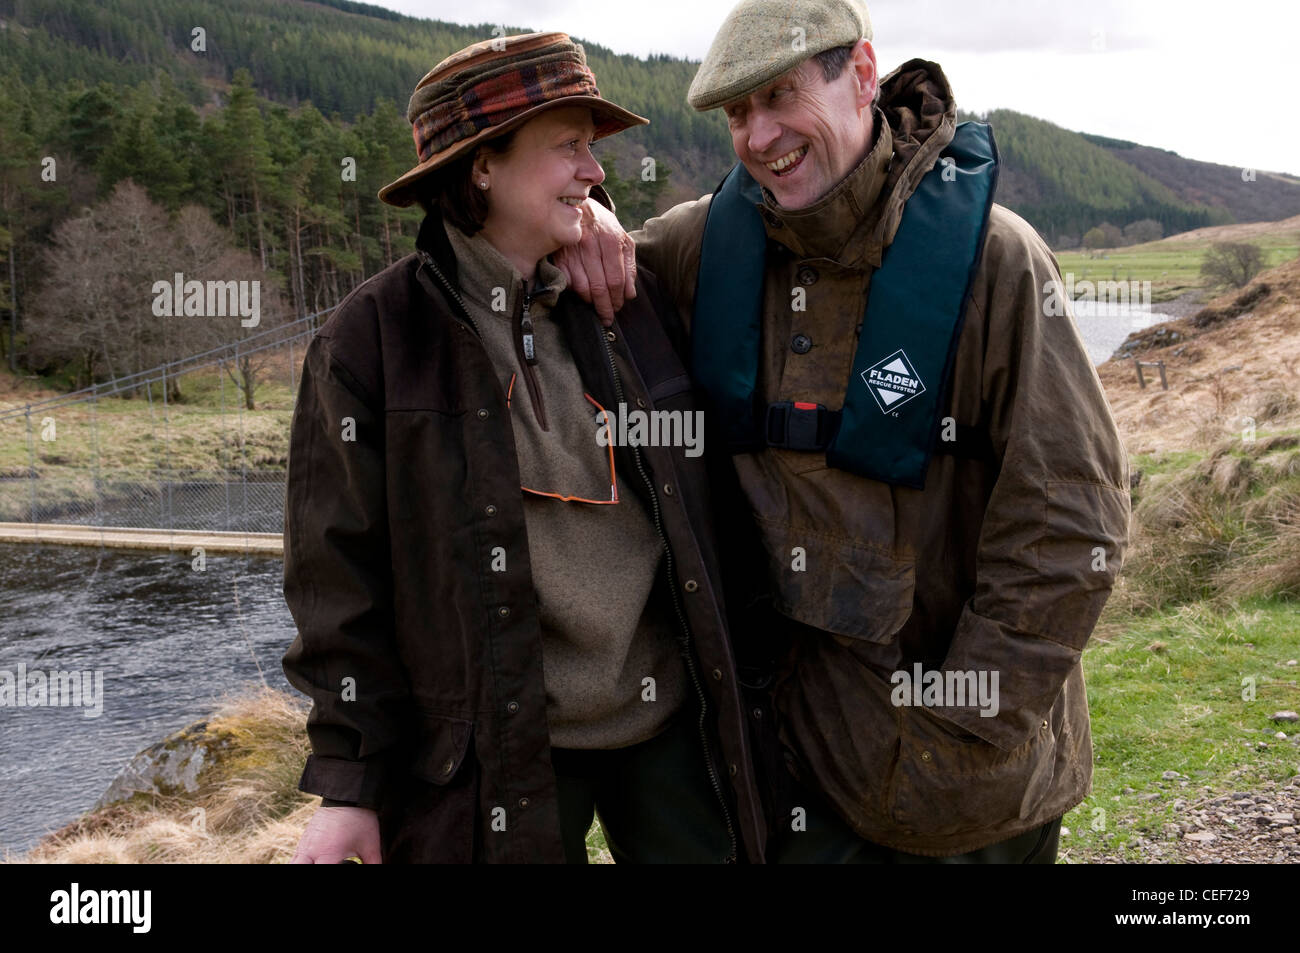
x=173, y=447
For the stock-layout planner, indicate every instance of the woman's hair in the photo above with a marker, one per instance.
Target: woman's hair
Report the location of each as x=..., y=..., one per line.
x=452, y=192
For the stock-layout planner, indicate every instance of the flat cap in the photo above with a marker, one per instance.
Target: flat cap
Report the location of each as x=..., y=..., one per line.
x=761, y=39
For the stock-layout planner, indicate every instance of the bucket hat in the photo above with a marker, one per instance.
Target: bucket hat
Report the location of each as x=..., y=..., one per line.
x=492, y=87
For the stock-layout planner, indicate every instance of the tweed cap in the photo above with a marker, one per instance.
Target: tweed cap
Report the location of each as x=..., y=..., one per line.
x=492, y=87
x=761, y=39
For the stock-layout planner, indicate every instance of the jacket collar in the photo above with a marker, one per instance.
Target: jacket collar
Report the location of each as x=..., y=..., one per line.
x=432, y=238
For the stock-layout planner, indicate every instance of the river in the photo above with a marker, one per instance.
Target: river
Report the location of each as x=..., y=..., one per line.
x=168, y=640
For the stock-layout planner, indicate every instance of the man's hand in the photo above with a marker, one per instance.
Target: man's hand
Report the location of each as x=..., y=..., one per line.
x=601, y=268
x=337, y=833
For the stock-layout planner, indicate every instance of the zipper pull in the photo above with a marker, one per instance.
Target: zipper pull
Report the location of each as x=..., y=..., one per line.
x=526, y=326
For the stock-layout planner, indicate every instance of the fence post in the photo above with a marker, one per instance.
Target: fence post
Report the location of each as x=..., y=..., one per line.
x=1137, y=362
x=31, y=465
x=165, y=509
x=99, y=486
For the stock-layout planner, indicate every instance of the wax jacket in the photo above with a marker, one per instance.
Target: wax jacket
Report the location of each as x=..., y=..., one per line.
x=423, y=662
x=1000, y=565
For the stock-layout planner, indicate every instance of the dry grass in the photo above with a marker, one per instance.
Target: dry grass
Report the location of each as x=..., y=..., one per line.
x=247, y=809
x=1217, y=527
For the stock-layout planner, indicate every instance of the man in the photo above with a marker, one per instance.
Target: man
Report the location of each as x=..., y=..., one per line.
x=930, y=586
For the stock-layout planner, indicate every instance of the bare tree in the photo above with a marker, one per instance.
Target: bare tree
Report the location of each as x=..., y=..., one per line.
x=1232, y=264
x=1142, y=231
x=100, y=308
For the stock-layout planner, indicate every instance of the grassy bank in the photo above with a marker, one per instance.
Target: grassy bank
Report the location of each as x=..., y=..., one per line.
x=134, y=437
x=247, y=808
x=1173, y=265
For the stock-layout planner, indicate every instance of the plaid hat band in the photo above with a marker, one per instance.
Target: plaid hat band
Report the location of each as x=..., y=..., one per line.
x=445, y=112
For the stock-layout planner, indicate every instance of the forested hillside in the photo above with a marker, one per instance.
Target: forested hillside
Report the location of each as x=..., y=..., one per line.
x=280, y=121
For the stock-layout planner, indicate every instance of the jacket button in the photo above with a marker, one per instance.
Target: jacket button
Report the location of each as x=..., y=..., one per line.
x=758, y=713
x=504, y=612
x=610, y=336
x=807, y=275
x=490, y=510
x=482, y=413
x=925, y=756
x=733, y=769
x=1044, y=725
x=717, y=674
x=668, y=489
x=801, y=344
x=448, y=765
x=640, y=402
x=690, y=585
x=523, y=802
x=513, y=707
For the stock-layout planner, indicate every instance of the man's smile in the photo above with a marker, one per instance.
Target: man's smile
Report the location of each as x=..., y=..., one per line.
x=788, y=162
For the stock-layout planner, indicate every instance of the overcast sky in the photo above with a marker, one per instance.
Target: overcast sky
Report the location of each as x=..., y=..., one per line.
x=1211, y=81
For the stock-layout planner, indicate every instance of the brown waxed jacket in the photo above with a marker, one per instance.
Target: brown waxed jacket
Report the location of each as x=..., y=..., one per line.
x=1001, y=564
x=423, y=661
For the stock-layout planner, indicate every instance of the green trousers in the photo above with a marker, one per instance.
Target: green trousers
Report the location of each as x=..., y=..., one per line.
x=655, y=800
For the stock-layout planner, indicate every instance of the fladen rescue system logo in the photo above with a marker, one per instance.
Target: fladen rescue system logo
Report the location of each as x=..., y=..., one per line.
x=893, y=382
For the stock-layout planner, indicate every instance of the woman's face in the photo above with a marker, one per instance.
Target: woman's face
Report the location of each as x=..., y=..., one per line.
x=536, y=190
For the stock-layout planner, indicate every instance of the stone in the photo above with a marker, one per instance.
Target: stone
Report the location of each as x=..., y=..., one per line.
x=170, y=767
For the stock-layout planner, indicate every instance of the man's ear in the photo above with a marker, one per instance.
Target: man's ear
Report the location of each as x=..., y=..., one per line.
x=864, y=67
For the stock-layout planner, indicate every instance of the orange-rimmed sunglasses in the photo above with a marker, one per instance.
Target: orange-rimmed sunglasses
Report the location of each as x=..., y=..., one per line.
x=613, y=476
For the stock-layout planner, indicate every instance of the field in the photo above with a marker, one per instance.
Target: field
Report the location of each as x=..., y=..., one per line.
x=1172, y=265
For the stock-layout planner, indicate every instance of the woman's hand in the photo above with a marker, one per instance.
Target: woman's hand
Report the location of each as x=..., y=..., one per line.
x=336, y=833
x=601, y=268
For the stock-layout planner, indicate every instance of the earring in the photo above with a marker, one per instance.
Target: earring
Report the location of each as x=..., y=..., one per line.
x=483, y=184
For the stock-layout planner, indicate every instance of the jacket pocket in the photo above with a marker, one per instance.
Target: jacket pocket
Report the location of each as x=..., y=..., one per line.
x=948, y=782
x=853, y=590
x=435, y=820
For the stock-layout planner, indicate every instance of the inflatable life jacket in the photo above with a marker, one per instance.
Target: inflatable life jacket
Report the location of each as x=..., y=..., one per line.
x=890, y=421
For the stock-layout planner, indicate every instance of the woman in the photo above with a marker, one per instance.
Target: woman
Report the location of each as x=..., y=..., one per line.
x=506, y=623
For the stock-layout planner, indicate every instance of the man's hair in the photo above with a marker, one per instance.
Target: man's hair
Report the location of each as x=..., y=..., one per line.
x=452, y=191
x=834, y=60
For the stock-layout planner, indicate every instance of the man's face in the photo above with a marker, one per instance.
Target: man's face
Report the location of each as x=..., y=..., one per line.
x=800, y=135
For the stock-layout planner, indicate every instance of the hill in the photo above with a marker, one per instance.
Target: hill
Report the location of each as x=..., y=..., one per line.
x=1249, y=195
x=353, y=59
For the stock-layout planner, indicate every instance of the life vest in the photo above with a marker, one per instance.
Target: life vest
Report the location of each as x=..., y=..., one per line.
x=890, y=421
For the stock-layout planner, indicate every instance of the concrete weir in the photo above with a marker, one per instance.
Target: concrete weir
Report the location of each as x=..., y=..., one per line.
x=120, y=537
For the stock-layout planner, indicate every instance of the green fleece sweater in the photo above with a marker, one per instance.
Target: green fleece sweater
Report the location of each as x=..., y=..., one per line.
x=606, y=621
